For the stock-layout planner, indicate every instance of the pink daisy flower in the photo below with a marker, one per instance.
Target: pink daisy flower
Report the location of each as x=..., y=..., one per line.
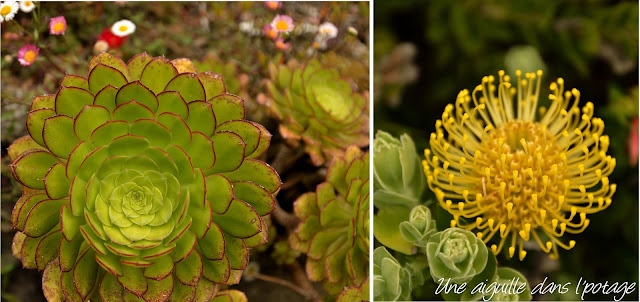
x=28, y=54
x=282, y=23
x=57, y=25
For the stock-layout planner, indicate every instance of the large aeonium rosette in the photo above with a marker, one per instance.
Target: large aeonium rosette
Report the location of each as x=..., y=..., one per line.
x=153, y=171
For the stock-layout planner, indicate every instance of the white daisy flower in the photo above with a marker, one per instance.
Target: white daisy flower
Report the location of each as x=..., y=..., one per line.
x=123, y=28
x=328, y=29
x=8, y=10
x=27, y=6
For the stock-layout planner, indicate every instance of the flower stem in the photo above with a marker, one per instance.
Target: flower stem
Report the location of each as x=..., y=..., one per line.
x=47, y=55
x=73, y=50
x=22, y=28
x=36, y=28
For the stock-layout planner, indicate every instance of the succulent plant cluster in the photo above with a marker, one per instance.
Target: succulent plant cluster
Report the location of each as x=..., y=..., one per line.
x=334, y=227
x=140, y=182
x=412, y=251
x=316, y=105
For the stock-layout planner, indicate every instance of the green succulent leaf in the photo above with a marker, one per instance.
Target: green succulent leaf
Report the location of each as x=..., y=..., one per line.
x=72, y=80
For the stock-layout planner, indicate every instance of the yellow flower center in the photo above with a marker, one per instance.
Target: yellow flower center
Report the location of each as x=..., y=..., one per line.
x=27, y=3
x=58, y=27
x=5, y=10
x=30, y=56
x=523, y=174
x=123, y=28
x=282, y=25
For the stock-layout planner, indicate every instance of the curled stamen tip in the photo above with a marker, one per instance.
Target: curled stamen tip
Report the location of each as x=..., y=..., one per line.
x=494, y=248
x=490, y=222
x=503, y=227
x=453, y=223
x=518, y=72
x=543, y=214
x=479, y=234
x=512, y=250
x=522, y=255
x=478, y=220
x=572, y=243
x=461, y=206
x=549, y=245
x=539, y=72
x=554, y=223
x=448, y=203
x=523, y=234
x=509, y=206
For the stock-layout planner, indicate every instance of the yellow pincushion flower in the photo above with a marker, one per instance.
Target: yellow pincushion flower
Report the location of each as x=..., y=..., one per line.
x=516, y=171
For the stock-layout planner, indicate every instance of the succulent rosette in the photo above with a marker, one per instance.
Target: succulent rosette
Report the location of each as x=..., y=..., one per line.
x=140, y=182
x=457, y=254
x=316, y=105
x=334, y=227
x=419, y=227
